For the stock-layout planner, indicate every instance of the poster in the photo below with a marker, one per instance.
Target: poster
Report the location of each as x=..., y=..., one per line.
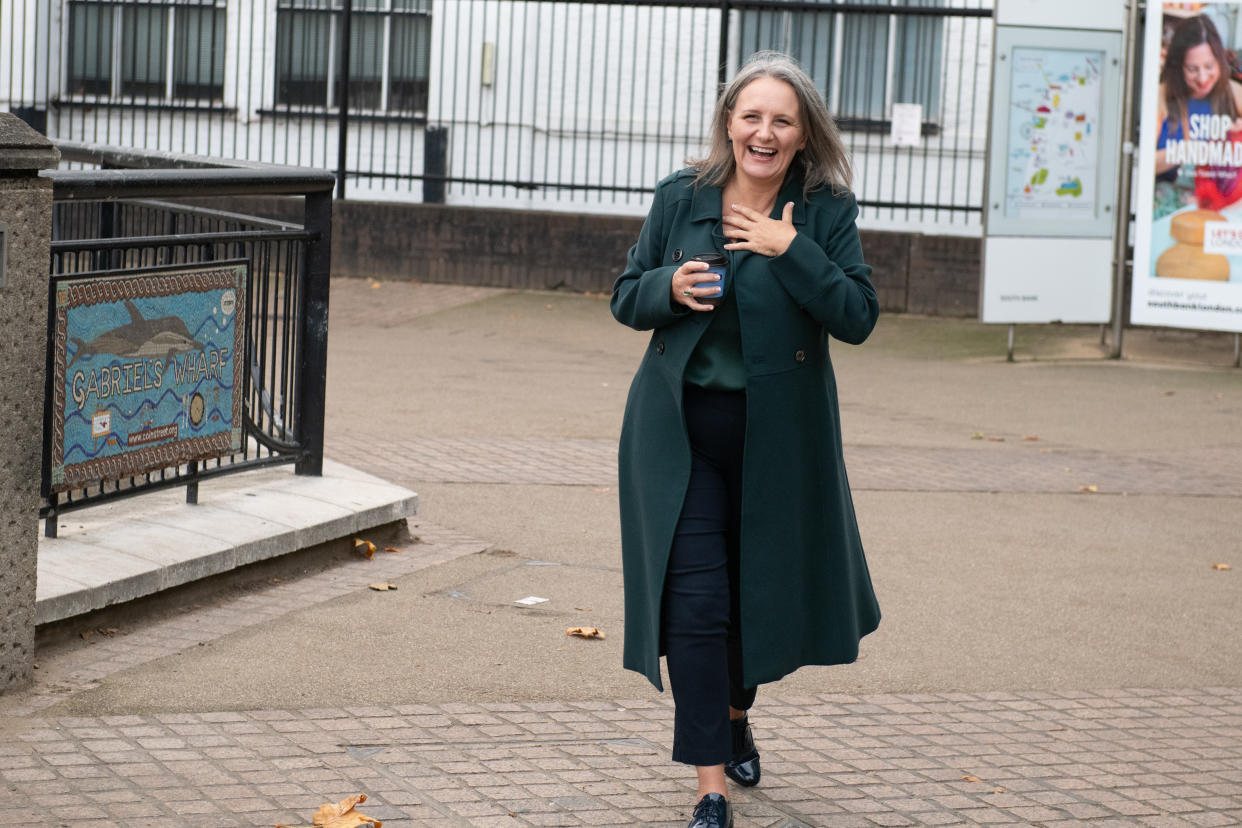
x=147, y=370
x=1188, y=231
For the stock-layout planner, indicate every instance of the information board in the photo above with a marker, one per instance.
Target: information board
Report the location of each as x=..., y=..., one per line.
x=1052, y=170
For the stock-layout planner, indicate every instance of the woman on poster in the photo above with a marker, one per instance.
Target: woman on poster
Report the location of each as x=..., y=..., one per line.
x=1195, y=84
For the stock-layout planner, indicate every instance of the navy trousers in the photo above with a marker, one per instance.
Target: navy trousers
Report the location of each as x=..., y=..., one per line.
x=700, y=615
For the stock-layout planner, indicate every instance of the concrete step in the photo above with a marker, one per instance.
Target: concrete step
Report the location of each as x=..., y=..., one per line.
x=130, y=548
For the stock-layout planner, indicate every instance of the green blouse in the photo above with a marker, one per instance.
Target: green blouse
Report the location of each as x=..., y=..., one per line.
x=716, y=361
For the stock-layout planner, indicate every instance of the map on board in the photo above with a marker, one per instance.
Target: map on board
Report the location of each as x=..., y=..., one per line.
x=1054, y=125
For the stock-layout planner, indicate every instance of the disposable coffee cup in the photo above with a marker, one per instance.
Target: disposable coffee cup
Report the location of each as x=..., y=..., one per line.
x=717, y=265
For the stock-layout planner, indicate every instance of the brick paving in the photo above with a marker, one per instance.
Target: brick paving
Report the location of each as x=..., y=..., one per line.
x=1102, y=758
x=981, y=466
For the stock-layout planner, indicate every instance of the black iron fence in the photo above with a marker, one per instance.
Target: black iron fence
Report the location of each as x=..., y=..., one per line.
x=560, y=105
x=116, y=221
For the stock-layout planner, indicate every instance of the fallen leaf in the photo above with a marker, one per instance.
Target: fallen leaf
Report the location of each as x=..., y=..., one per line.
x=1031, y=438
x=364, y=548
x=375, y=284
x=382, y=587
x=583, y=609
x=1169, y=393
x=1221, y=567
x=972, y=779
x=978, y=435
x=108, y=631
x=391, y=549
x=585, y=632
x=1088, y=488
x=87, y=634
x=340, y=815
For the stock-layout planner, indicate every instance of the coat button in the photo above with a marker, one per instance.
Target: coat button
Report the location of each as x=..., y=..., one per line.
x=800, y=356
x=677, y=255
x=660, y=348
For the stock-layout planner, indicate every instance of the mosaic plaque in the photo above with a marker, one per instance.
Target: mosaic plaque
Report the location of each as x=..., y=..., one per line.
x=147, y=370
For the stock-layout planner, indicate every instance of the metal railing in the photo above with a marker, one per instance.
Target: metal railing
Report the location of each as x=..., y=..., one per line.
x=116, y=220
x=539, y=103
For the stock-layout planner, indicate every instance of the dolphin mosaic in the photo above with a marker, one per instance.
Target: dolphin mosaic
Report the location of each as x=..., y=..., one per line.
x=140, y=337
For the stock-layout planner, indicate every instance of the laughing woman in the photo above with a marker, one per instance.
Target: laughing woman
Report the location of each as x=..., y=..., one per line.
x=740, y=547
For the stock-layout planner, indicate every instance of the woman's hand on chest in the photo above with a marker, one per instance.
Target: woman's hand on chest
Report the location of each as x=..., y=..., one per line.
x=751, y=230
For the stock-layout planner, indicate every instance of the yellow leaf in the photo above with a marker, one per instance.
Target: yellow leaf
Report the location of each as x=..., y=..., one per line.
x=375, y=285
x=364, y=547
x=585, y=632
x=972, y=779
x=343, y=815
x=382, y=587
x=1088, y=488
x=978, y=435
x=1221, y=567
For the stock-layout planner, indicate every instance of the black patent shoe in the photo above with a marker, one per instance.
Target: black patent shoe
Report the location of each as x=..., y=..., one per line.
x=743, y=768
x=713, y=811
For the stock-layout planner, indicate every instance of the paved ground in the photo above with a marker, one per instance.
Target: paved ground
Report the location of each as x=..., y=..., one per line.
x=1057, y=647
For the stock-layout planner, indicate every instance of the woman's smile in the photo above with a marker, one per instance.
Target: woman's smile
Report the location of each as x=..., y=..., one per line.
x=765, y=129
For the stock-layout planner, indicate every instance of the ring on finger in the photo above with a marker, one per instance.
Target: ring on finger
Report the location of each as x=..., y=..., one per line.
x=687, y=293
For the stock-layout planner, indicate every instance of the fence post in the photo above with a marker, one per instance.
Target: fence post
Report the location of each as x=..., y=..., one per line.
x=312, y=368
x=342, y=99
x=435, y=164
x=26, y=225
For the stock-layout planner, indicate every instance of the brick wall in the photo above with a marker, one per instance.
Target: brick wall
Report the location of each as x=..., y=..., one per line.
x=913, y=273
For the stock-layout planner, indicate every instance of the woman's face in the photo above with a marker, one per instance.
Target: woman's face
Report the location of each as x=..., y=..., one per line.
x=1200, y=70
x=766, y=130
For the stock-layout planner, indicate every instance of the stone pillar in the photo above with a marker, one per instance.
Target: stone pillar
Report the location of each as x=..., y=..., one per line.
x=26, y=221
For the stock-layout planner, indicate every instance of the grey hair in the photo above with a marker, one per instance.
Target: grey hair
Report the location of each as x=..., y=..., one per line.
x=823, y=162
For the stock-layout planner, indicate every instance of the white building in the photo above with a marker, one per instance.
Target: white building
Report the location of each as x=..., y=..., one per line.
x=525, y=103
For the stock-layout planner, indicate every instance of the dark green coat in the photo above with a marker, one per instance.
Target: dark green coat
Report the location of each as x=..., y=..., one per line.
x=806, y=595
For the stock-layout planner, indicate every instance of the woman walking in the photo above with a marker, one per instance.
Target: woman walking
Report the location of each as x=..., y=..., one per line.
x=741, y=551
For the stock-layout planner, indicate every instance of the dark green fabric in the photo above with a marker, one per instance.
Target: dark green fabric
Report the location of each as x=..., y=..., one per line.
x=717, y=359
x=806, y=595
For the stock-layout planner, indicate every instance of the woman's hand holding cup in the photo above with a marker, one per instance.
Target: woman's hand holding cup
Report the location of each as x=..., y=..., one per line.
x=685, y=280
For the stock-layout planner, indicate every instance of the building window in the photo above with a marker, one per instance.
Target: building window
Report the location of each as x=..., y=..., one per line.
x=389, y=54
x=863, y=63
x=144, y=50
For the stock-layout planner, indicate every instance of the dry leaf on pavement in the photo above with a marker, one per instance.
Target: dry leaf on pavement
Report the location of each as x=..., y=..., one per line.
x=1088, y=488
x=340, y=815
x=382, y=587
x=972, y=779
x=1221, y=567
x=364, y=547
x=1031, y=438
x=585, y=632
